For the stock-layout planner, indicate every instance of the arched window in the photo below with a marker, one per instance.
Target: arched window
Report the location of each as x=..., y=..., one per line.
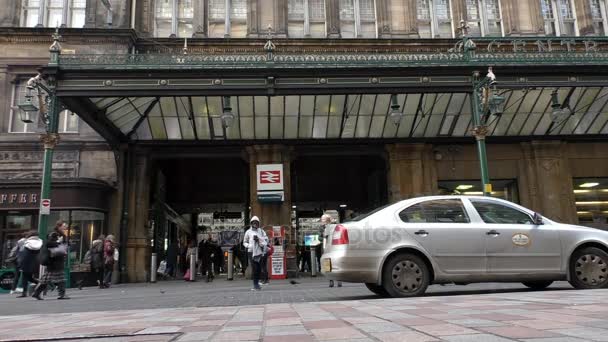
x=306, y=19
x=358, y=19
x=434, y=19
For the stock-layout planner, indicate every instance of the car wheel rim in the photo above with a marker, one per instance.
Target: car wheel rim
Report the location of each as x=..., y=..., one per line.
x=407, y=276
x=591, y=270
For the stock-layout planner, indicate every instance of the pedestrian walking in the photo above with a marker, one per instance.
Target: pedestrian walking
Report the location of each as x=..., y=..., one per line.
x=28, y=263
x=110, y=257
x=255, y=241
x=325, y=221
x=205, y=253
x=172, y=252
x=52, y=255
x=97, y=260
x=268, y=251
x=13, y=260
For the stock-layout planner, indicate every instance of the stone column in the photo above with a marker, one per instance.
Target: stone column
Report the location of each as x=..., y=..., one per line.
x=138, y=250
x=273, y=213
x=91, y=14
x=9, y=13
x=522, y=18
x=412, y=171
x=280, y=18
x=459, y=11
x=546, y=182
x=584, y=18
x=5, y=102
x=201, y=10
x=383, y=18
x=332, y=16
x=144, y=17
x=253, y=21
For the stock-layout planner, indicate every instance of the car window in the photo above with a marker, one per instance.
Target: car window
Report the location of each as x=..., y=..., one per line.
x=436, y=211
x=491, y=212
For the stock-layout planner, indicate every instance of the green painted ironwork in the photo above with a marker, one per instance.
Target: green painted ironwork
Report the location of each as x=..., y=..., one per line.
x=465, y=52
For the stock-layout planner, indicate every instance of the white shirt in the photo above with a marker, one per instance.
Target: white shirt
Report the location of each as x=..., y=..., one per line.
x=251, y=245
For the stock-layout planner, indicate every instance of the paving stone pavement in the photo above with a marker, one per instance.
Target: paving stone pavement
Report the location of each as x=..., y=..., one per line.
x=548, y=316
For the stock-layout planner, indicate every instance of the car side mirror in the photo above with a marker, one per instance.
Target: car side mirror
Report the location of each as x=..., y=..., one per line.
x=537, y=219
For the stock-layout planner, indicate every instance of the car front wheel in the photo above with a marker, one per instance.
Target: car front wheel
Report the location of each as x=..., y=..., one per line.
x=589, y=268
x=538, y=285
x=377, y=289
x=405, y=275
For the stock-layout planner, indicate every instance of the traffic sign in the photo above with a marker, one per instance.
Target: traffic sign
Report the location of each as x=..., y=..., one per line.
x=45, y=207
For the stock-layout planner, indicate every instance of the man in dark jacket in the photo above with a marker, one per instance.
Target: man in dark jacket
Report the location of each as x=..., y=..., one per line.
x=97, y=261
x=206, y=249
x=29, y=261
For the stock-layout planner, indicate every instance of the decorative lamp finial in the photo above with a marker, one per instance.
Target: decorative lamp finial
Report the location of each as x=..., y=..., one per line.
x=55, y=47
x=185, y=46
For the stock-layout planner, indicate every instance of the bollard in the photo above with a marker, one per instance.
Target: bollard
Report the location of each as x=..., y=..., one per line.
x=230, y=265
x=313, y=262
x=153, y=269
x=192, y=267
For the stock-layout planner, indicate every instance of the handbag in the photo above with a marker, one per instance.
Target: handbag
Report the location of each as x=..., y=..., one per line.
x=59, y=251
x=187, y=275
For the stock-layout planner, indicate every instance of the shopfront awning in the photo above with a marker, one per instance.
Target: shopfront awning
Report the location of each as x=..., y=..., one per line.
x=281, y=95
x=527, y=112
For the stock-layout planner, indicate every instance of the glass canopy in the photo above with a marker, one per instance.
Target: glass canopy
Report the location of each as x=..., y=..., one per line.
x=527, y=112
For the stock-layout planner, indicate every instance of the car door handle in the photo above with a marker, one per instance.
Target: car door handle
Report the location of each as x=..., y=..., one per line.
x=493, y=232
x=422, y=232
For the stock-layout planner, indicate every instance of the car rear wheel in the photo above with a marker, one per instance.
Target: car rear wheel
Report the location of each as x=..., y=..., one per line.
x=589, y=268
x=405, y=275
x=377, y=289
x=538, y=285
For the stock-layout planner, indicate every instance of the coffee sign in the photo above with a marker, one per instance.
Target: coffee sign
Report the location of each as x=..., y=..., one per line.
x=17, y=200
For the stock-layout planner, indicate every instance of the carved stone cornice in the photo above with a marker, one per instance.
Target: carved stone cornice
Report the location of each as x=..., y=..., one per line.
x=70, y=36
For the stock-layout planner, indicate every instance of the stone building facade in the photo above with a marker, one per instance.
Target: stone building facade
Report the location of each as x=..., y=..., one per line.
x=107, y=186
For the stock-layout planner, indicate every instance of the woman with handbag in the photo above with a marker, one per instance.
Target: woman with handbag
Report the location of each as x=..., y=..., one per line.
x=52, y=255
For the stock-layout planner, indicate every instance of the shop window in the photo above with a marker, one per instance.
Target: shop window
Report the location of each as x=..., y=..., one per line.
x=436, y=211
x=484, y=18
x=434, y=19
x=234, y=24
x=68, y=121
x=306, y=18
x=591, y=198
x=358, y=19
x=505, y=188
x=12, y=228
x=174, y=18
x=85, y=227
x=598, y=14
x=559, y=16
x=497, y=213
x=53, y=13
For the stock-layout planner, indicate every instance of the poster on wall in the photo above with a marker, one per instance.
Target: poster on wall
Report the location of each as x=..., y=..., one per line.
x=278, y=264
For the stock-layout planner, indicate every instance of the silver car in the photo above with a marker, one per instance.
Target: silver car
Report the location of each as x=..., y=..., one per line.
x=399, y=249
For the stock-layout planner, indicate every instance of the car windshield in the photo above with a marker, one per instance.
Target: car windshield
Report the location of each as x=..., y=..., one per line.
x=363, y=216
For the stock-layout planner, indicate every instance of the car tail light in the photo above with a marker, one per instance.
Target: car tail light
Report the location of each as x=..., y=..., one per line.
x=340, y=236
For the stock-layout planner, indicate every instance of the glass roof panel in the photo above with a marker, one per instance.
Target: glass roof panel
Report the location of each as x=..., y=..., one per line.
x=593, y=112
x=322, y=105
x=320, y=127
x=167, y=105
x=305, y=129
x=202, y=127
x=199, y=106
x=214, y=105
x=276, y=127
x=349, y=126
x=218, y=129
x=245, y=106
x=291, y=127
x=428, y=103
x=368, y=103
x=462, y=125
x=247, y=132
x=307, y=104
x=601, y=120
x=588, y=98
x=563, y=94
x=362, y=126
x=261, y=106
x=261, y=125
x=155, y=112
x=173, y=129
x=101, y=103
x=186, y=128
x=377, y=126
x=337, y=105
x=333, y=129
x=183, y=106
x=126, y=122
x=157, y=127
x=143, y=131
x=529, y=104
x=292, y=105
x=277, y=105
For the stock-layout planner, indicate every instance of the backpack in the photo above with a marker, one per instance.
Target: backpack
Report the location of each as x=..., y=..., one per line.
x=44, y=256
x=12, y=255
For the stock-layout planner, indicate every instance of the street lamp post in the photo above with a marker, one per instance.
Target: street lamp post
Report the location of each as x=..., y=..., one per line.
x=49, y=108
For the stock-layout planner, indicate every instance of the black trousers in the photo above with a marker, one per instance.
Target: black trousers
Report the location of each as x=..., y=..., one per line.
x=264, y=269
x=16, y=279
x=26, y=278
